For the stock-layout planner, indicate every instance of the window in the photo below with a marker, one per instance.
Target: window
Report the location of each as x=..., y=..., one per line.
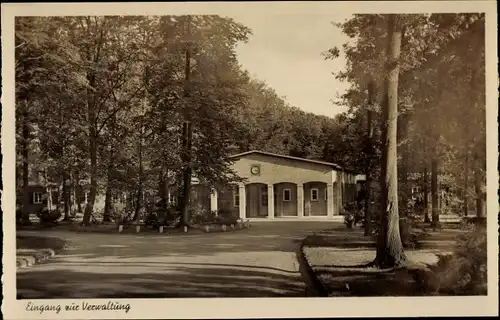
x=263, y=197
x=287, y=195
x=86, y=197
x=314, y=194
x=236, y=197
x=326, y=194
x=171, y=198
x=37, y=197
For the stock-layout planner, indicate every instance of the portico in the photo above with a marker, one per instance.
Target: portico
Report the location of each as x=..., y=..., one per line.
x=278, y=187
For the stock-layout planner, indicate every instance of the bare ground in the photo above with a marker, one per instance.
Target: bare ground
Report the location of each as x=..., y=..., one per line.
x=256, y=262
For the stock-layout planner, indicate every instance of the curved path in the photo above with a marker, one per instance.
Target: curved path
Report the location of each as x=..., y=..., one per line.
x=256, y=262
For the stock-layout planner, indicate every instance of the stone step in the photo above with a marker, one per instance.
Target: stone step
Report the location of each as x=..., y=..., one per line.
x=29, y=257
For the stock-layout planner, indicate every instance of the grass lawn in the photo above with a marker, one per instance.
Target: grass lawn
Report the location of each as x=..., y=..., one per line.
x=339, y=256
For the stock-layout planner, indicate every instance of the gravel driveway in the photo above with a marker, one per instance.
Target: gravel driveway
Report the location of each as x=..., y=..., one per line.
x=256, y=262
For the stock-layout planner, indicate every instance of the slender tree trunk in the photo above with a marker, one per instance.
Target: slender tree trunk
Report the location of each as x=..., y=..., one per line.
x=369, y=166
x=427, y=219
x=187, y=134
x=78, y=191
x=25, y=217
x=73, y=195
x=389, y=247
x=89, y=207
x=140, y=189
x=466, y=185
x=435, y=192
x=162, y=188
x=66, y=196
x=108, y=204
x=49, y=192
x=478, y=184
x=186, y=192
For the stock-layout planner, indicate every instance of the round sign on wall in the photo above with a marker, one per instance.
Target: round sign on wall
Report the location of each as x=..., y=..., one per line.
x=255, y=170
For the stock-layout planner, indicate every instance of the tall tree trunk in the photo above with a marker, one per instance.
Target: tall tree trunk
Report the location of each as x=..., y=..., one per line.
x=434, y=192
x=425, y=188
x=25, y=217
x=186, y=192
x=405, y=191
x=466, y=185
x=108, y=201
x=478, y=186
x=390, y=251
x=369, y=166
x=187, y=134
x=92, y=137
x=93, y=57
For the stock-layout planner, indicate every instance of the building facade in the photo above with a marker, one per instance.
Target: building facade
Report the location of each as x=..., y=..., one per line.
x=277, y=186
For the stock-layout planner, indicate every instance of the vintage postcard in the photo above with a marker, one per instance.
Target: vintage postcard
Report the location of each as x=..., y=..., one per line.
x=249, y=159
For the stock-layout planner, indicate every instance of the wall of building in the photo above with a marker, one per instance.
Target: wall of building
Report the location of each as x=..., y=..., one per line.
x=282, y=207
x=319, y=206
x=275, y=170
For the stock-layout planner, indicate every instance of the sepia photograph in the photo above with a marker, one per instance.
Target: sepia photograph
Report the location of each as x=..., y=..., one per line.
x=246, y=154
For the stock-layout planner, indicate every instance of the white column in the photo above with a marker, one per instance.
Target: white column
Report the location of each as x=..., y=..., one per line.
x=329, y=200
x=270, y=201
x=338, y=197
x=242, y=195
x=213, y=200
x=300, y=200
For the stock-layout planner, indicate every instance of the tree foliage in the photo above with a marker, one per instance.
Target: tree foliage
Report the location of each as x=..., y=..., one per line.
x=108, y=97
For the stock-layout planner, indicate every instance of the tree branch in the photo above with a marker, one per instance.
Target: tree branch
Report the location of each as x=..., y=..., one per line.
x=120, y=107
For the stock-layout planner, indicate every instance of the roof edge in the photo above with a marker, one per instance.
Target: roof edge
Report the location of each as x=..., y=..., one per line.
x=330, y=164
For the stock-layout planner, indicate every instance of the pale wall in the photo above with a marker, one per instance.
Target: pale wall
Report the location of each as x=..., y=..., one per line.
x=275, y=170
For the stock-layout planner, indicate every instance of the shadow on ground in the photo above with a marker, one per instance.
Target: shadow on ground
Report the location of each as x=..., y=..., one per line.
x=169, y=281
x=39, y=242
x=264, y=238
x=341, y=260
x=367, y=283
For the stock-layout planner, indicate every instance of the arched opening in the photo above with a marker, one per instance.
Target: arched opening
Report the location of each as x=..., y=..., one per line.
x=315, y=198
x=285, y=199
x=256, y=200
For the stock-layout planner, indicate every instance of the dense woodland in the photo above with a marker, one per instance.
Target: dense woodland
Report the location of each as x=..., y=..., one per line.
x=133, y=103
x=418, y=100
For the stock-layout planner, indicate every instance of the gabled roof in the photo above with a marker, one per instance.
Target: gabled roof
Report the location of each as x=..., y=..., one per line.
x=333, y=165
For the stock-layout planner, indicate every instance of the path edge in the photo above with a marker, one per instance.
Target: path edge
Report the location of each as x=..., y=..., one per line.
x=314, y=287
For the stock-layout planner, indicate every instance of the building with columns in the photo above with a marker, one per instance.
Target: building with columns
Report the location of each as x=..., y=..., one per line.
x=277, y=186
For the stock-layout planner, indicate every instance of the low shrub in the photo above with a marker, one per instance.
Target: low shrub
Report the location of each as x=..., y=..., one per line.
x=352, y=215
x=227, y=213
x=465, y=271
x=47, y=216
x=225, y=220
x=481, y=221
x=200, y=215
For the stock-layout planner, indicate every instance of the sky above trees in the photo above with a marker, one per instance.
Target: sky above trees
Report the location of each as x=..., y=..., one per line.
x=285, y=52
